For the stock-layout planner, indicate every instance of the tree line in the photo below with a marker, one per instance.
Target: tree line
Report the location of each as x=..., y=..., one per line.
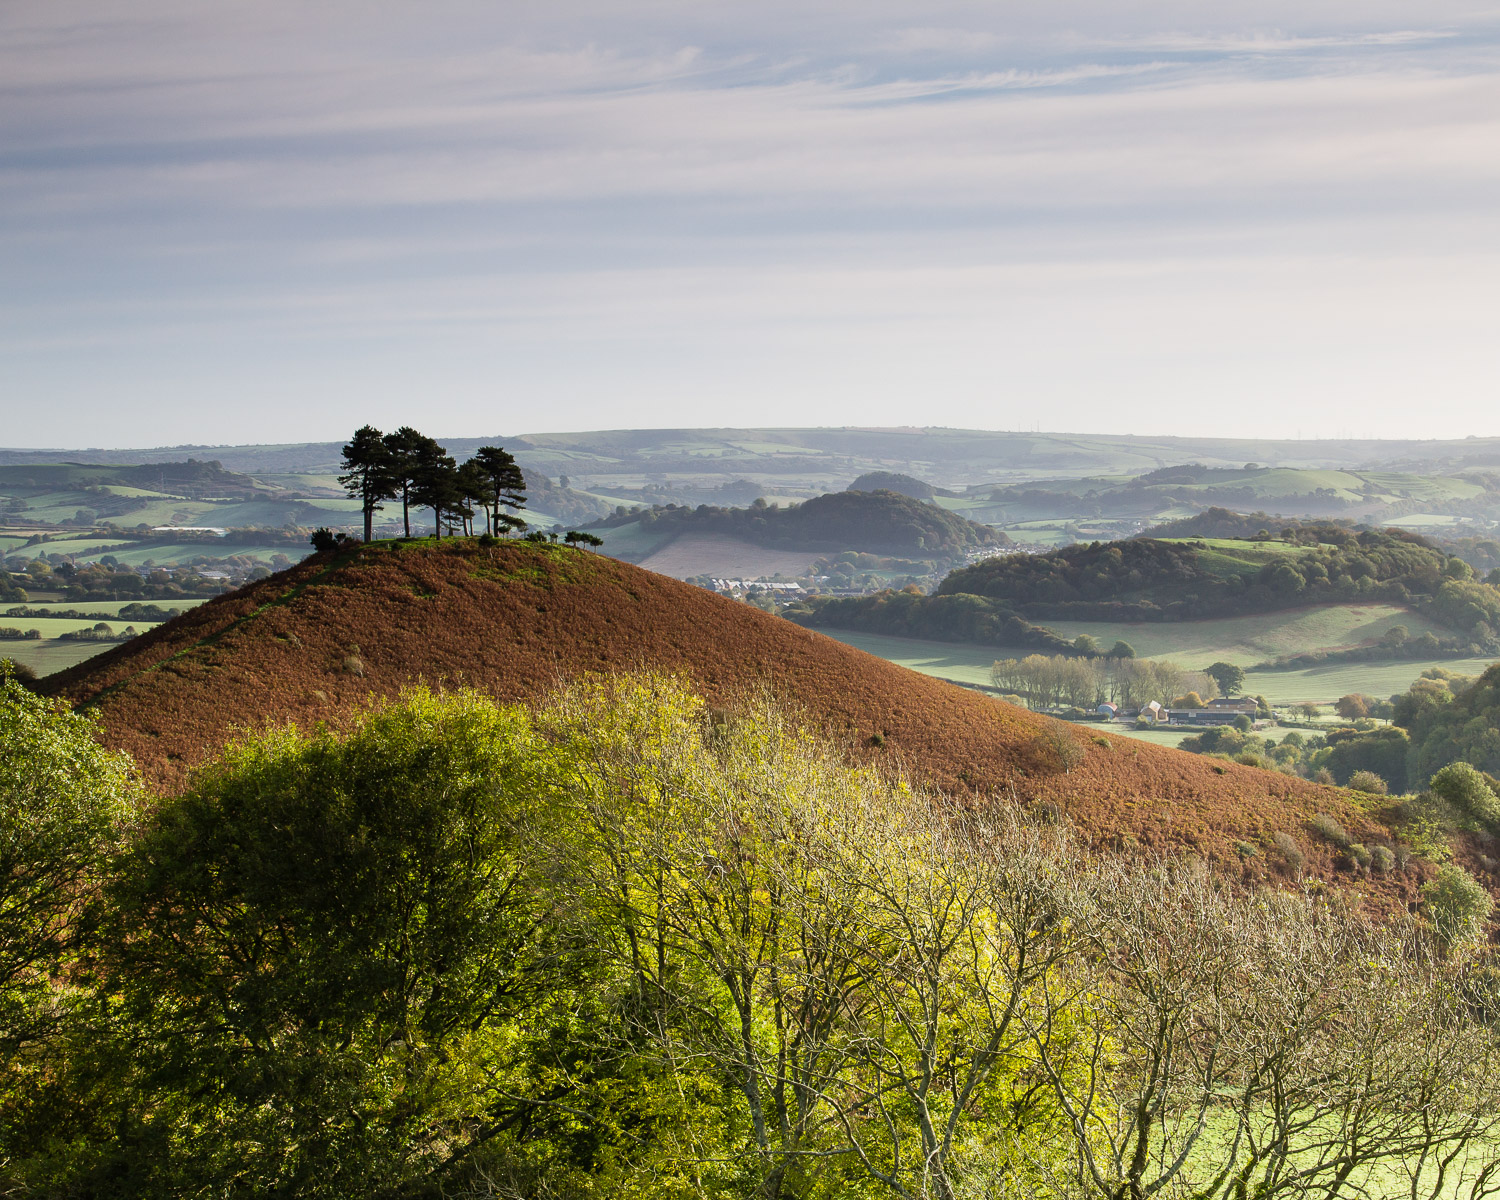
x=1055, y=681
x=624, y=945
x=411, y=467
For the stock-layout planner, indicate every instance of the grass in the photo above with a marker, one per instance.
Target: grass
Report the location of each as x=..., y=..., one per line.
x=49, y=657
x=178, y=553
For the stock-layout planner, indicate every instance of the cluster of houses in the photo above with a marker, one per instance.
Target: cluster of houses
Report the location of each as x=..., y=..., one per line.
x=1223, y=711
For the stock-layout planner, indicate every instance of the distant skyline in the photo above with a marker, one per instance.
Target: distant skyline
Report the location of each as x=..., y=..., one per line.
x=264, y=221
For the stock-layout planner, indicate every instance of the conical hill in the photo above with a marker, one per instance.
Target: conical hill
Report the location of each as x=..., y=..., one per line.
x=514, y=619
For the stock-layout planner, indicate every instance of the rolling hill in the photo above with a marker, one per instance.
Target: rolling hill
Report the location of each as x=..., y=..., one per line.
x=313, y=642
x=1171, y=582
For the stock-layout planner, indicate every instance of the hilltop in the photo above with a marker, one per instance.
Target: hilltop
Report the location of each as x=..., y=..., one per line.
x=312, y=643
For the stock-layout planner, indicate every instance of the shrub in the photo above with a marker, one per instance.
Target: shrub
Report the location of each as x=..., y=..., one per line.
x=1466, y=790
x=1382, y=859
x=1328, y=828
x=1457, y=904
x=1368, y=781
x=1291, y=853
x=1359, y=857
x=1246, y=849
x=1060, y=748
x=1324, y=775
x=20, y=672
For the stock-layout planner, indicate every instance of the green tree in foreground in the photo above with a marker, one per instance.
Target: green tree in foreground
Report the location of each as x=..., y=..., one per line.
x=63, y=803
x=322, y=947
x=626, y=945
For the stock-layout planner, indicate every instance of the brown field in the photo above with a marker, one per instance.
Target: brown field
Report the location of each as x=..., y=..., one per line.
x=515, y=620
x=704, y=554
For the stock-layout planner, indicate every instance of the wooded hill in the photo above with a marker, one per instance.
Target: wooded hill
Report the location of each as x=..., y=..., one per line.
x=1159, y=580
x=310, y=644
x=879, y=522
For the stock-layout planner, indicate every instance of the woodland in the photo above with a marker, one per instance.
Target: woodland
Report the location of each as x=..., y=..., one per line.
x=622, y=943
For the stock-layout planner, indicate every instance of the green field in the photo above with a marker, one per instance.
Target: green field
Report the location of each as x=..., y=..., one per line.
x=1157, y=737
x=47, y=655
x=961, y=663
x=1262, y=637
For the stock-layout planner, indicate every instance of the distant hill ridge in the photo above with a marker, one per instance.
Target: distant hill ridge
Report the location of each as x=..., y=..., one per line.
x=515, y=620
x=878, y=522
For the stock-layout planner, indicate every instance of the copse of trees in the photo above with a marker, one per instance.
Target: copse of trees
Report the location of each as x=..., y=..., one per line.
x=623, y=945
x=1054, y=681
x=411, y=467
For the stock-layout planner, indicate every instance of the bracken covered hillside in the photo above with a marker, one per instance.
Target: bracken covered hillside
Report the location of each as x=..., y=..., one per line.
x=514, y=619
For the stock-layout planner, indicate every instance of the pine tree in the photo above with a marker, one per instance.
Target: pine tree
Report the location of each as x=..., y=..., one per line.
x=368, y=472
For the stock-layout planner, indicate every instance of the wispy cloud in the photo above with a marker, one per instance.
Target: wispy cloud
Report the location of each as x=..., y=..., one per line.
x=272, y=174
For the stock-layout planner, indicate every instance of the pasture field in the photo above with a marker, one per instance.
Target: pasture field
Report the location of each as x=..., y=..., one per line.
x=48, y=657
x=1260, y=637
x=964, y=663
x=84, y=546
x=165, y=555
x=1157, y=737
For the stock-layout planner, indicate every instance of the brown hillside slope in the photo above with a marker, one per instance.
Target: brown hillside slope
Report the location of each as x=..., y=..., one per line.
x=515, y=619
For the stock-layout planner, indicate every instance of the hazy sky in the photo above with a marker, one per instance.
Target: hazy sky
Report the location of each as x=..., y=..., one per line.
x=276, y=220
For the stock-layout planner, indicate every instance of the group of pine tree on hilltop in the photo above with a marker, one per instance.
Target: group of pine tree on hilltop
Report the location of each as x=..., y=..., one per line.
x=411, y=467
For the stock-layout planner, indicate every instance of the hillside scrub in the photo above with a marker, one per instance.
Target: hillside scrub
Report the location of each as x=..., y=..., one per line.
x=628, y=944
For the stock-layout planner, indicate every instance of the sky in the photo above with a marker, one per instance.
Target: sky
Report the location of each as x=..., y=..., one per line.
x=274, y=221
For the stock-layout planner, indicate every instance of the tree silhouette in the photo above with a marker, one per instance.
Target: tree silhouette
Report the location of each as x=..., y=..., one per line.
x=414, y=456
x=577, y=537
x=478, y=492
x=437, y=487
x=507, y=485
x=368, y=474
